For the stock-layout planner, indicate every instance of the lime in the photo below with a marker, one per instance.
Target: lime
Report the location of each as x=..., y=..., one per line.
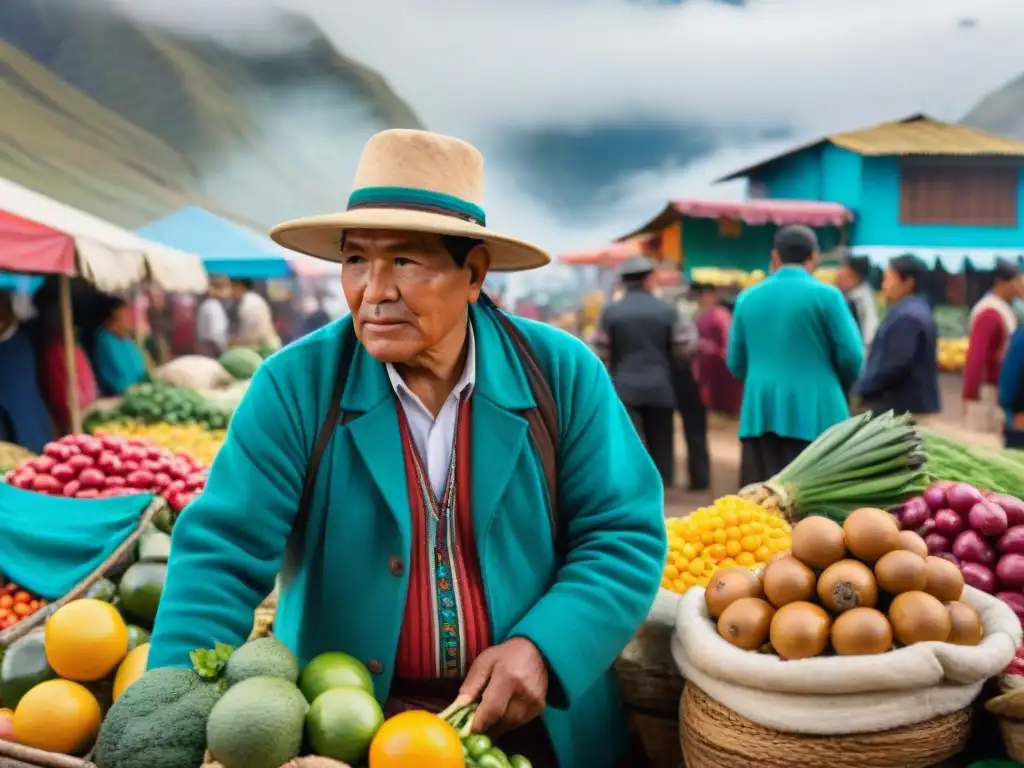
x=333, y=670
x=342, y=722
x=136, y=636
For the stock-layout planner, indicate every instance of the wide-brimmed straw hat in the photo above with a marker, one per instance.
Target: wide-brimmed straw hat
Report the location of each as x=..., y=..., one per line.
x=413, y=181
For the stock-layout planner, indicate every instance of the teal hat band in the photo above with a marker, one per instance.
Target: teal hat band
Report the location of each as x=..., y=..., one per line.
x=412, y=199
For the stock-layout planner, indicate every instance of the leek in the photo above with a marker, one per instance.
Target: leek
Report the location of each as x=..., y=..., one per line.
x=865, y=461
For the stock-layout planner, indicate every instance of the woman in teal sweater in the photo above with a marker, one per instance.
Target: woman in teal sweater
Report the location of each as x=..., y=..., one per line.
x=797, y=350
x=118, y=361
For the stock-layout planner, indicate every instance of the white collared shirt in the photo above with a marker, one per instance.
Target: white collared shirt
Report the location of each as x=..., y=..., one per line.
x=434, y=438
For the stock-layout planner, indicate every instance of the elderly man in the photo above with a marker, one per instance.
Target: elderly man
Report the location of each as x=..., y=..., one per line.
x=457, y=496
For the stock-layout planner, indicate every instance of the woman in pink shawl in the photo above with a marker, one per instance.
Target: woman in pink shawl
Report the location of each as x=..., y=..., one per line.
x=719, y=389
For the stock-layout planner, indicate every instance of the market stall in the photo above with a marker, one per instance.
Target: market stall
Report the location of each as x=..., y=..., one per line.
x=230, y=249
x=733, y=235
x=39, y=235
x=863, y=607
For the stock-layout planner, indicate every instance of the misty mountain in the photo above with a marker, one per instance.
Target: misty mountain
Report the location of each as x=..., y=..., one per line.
x=131, y=122
x=1001, y=111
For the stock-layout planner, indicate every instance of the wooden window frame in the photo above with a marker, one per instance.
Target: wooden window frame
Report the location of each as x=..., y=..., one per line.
x=961, y=192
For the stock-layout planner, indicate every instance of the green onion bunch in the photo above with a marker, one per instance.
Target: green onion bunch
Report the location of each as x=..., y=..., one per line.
x=865, y=461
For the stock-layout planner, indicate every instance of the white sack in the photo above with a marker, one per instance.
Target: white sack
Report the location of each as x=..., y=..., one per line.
x=194, y=372
x=843, y=694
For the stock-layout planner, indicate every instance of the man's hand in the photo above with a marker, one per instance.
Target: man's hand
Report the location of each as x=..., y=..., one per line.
x=511, y=683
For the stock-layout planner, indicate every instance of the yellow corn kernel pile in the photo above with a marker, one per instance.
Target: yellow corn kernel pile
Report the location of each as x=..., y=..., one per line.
x=731, y=532
x=200, y=443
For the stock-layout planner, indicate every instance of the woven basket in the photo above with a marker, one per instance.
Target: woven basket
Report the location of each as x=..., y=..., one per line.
x=1008, y=709
x=714, y=736
x=651, y=685
x=18, y=756
x=263, y=620
x=117, y=559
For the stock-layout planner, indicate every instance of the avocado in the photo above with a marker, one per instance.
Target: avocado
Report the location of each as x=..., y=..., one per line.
x=136, y=636
x=140, y=591
x=23, y=667
x=102, y=589
x=155, y=547
x=263, y=657
x=258, y=723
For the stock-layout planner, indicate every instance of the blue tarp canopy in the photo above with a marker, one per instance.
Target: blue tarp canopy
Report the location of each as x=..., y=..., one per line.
x=226, y=248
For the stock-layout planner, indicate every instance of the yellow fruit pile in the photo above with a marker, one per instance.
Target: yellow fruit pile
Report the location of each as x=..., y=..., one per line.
x=952, y=354
x=192, y=439
x=731, y=532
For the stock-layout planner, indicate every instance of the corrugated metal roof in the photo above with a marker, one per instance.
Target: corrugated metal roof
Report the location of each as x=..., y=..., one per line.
x=914, y=135
x=923, y=135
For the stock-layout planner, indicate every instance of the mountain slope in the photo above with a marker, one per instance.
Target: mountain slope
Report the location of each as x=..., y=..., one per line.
x=132, y=122
x=1001, y=111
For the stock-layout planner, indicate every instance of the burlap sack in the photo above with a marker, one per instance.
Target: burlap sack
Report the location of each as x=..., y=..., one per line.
x=299, y=762
x=835, y=695
x=193, y=372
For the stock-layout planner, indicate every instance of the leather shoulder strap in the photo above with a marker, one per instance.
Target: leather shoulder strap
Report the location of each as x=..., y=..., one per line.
x=296, y=541
x=542, y=420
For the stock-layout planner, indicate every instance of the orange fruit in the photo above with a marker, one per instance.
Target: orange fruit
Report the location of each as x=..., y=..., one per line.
x=131, y=669
x=415, y=739
x=57, y=716
x=85, y=640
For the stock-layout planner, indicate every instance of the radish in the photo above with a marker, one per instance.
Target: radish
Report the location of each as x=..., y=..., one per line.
x=1010, y=570
x=948, y=523
x=979, y=577
x=1012, y=506
x=936, y=543
x=987, y=518
x=970, y=547
x=914, y=513
x=962, y=497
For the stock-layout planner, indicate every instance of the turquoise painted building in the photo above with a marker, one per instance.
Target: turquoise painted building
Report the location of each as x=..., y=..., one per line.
x=951, y=194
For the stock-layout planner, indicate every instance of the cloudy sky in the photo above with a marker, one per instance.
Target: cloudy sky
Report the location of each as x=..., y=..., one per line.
x=477, y=68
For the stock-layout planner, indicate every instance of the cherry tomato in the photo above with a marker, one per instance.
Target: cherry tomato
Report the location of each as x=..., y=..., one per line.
x=22, y=597
x=22, y=609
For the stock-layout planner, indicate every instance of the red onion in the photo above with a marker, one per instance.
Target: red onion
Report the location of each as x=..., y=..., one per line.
x=979, y=577
x=924, y=530
x=1012, y=540
x=962, y=497
x=915, y=513
x=987, y=518
x=970, y=547
x=936, y=543
x=1010, y=570
x=935, y=496
x=949, y=556
x=948, y=523
x=1012, y=506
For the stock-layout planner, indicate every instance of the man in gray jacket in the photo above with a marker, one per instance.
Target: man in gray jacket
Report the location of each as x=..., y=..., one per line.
x=642, y=339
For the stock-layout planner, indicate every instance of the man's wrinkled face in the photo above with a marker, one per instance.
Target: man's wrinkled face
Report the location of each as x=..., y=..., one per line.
x=405, y=291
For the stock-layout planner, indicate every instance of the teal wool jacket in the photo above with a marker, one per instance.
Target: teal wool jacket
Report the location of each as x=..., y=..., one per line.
x=795, y=346
x=580, y=609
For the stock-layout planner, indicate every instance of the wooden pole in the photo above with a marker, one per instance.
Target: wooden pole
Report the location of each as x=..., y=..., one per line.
x=71, y=370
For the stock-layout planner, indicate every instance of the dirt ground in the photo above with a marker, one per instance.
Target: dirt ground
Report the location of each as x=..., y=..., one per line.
x=724, y=448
